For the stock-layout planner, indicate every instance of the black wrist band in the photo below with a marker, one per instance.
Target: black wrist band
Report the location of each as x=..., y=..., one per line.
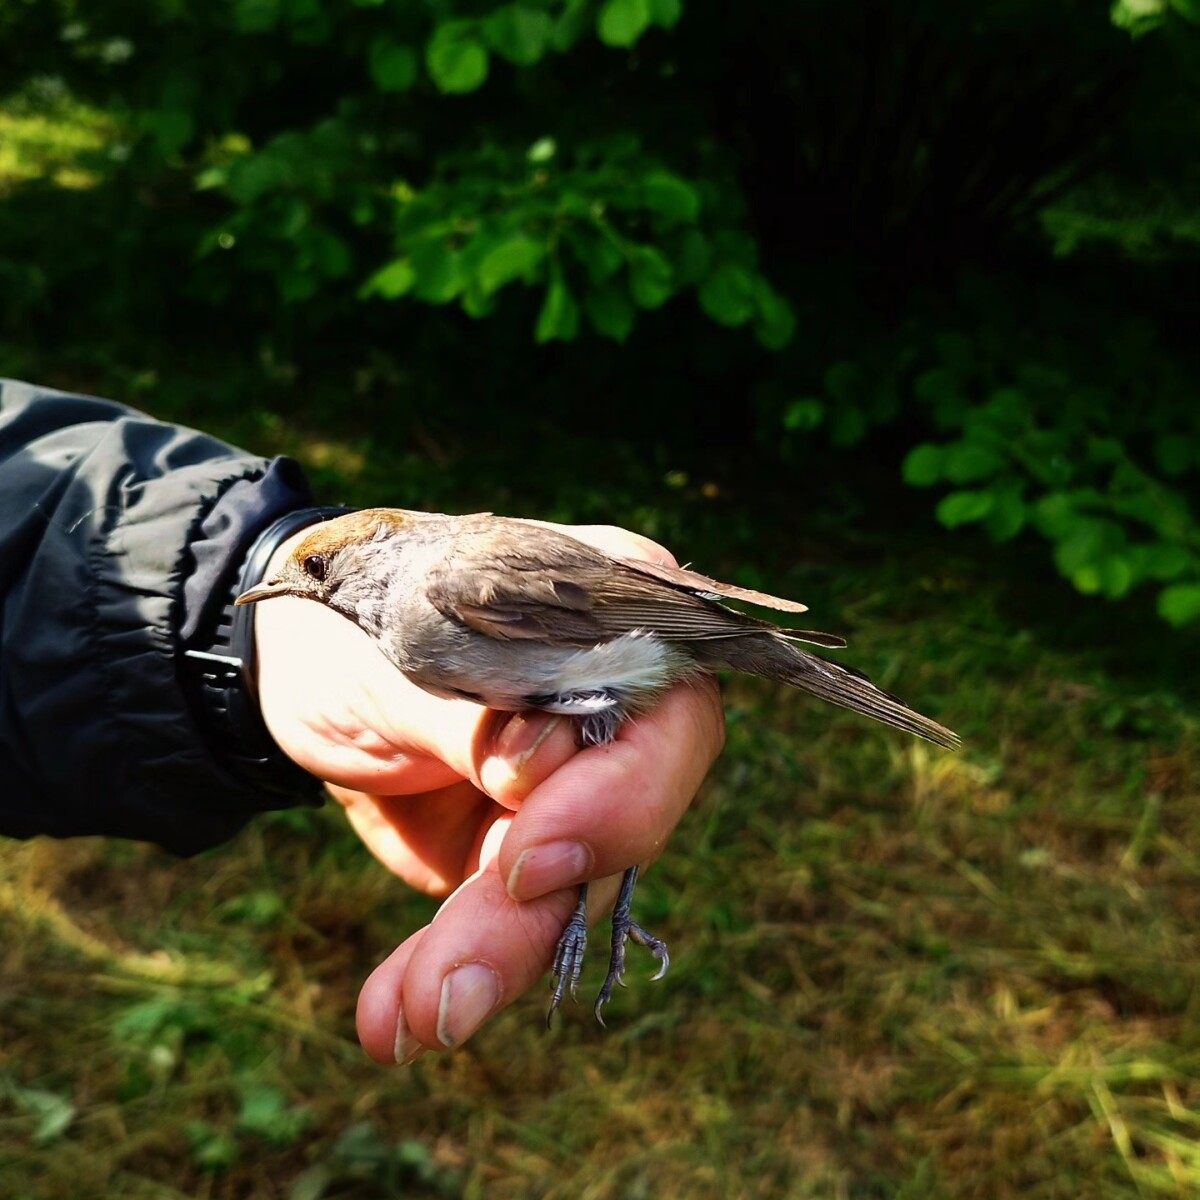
x=219, y=676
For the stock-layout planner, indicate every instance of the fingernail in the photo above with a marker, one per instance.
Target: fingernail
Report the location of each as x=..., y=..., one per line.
x=522, y=735
x=544, y=869
x=408, y=1049
x=469, y=996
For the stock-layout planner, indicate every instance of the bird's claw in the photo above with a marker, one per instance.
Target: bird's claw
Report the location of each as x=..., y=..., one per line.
x=568, y=957
x=625, y=929
x=656, y=946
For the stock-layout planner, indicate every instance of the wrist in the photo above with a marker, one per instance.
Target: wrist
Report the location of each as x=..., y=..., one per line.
x=221, y=673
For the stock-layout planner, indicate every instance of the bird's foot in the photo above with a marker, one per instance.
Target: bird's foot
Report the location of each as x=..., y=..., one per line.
x=624, y=927
x=568, y=956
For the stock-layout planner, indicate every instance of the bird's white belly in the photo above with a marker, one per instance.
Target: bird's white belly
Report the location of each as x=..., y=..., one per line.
x=627, y=672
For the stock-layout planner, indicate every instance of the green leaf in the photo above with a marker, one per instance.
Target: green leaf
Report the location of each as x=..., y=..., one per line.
x=149, y=1017
x=1008, y=409
x=666, y=13
x=457, y=60
x=518, y=34
x=1179, y=604
x=259, y=908
x=516, y=258
x=960, y=508
x=670, y=196
x=254, y=176
x=54, y=1113
x=1138, y=16
x=610, y=311
x=692, y=257
x=775, y=324
x=476, y=302
x=1089, y=541
x=439, y=271
x=1056, y=514
x=559, y=318
x=804, y=414
x=622, y=22
x=651, y=279
x=390, y=282
x=574, y=22
x=1163, y=561
x=265, y=1112
x=967, y=462
x=728, y=295
x=330, y=255
x=211, y=1149
x=601, y=255
x=1007, y=517
x=393, y=65
x=847, y=424
x=1110, y=575
x=924, y=465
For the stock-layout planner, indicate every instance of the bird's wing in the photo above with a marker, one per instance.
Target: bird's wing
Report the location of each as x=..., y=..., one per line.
x=567, y=593
x=697, y=584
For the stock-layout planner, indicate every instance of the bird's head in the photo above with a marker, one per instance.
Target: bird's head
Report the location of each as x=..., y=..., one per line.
x=346, y=563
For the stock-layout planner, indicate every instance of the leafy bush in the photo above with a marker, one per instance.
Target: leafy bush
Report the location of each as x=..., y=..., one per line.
x=1090, y=444
x=670, y=178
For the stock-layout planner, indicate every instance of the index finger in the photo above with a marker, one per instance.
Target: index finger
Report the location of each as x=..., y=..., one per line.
x=611, y=807
x=617, y=541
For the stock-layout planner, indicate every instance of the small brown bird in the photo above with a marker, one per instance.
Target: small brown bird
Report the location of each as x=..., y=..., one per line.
x=515, y=615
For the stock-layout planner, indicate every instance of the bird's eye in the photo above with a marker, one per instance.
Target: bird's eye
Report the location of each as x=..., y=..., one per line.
x=315, y=565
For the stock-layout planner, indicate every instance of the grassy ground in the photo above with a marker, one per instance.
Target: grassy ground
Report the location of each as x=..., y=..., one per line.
x=897, y=973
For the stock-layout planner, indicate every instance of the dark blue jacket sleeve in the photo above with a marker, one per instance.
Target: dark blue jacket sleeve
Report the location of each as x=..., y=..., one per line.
x=118, y=533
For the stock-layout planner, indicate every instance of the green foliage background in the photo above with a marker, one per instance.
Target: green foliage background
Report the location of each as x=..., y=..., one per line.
x=967, y=225
x=795, y=288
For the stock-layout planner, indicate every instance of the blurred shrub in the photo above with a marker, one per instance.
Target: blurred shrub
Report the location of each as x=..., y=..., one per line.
x=743, y=197
x=1088, y=442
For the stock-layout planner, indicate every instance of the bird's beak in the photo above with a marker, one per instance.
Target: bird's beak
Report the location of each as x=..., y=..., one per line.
x=263, y=591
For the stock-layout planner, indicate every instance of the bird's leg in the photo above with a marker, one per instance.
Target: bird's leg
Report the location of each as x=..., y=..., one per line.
x=602, y=711
x=625, y=927
x=568, y=957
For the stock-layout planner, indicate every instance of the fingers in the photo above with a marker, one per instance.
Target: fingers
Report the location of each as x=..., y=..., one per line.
x=482, y=951
x=620, y=543
x=612, y=806
x=485, y=947
x=431, y=841
x=382, y=1029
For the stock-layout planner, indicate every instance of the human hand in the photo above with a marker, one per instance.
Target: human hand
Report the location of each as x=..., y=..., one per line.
x=503, y=813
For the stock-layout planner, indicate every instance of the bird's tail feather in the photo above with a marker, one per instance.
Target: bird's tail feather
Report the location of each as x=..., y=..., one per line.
x=773, y=658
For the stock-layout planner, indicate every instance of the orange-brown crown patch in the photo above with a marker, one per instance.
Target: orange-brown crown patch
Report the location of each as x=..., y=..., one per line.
x=353, y=529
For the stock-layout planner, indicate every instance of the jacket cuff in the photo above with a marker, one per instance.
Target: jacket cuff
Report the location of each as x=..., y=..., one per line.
x=218, y=671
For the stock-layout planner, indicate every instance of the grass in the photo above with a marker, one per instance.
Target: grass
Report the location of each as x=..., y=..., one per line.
x=897, y=973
